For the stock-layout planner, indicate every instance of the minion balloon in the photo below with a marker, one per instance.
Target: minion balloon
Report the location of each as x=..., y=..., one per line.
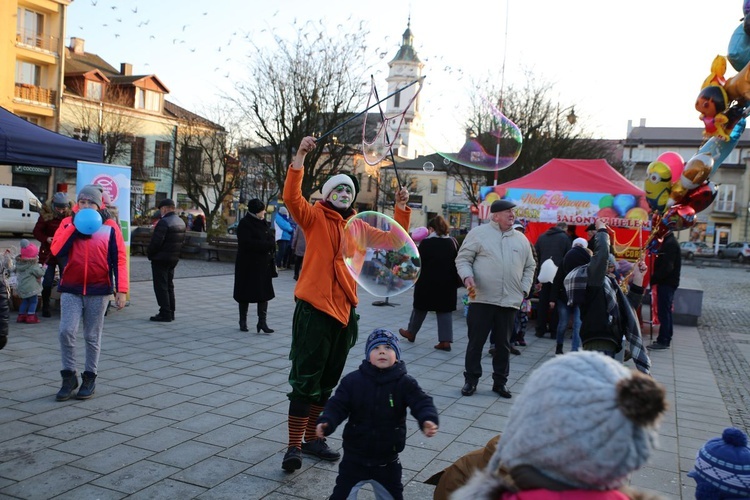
x=658, y=185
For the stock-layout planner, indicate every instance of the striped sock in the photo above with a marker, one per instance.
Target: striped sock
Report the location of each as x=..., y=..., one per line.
x=315, y=410
x=296, y=430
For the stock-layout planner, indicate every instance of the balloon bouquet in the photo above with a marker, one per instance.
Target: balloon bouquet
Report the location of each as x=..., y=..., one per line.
x=677, y=191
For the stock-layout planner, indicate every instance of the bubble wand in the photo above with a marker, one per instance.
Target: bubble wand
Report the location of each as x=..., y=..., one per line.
x=397, y=91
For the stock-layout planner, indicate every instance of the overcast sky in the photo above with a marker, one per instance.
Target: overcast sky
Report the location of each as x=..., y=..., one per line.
x=615, y=61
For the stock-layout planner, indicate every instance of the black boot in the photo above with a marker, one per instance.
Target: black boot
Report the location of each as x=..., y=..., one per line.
x=262, y=310
x=46, y=293
x=69, y=384
x=88, y=383
x=243, y=316
x=559, y=349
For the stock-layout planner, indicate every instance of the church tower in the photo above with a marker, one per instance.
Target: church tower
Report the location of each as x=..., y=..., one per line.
x=404, y=69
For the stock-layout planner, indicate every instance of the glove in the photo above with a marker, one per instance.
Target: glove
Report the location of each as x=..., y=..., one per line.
x=3, y=341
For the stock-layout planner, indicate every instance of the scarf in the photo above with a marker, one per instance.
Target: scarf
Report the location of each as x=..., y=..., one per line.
x=618, y=307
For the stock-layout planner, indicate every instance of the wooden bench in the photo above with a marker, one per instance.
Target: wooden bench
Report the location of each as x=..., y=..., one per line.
x=218, y=244
x=139, y=240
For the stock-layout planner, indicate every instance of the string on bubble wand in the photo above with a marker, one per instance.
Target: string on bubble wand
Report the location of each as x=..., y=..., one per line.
x=387, y=139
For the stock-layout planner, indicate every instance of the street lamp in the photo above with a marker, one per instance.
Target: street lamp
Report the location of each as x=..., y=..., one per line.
x=571, y=117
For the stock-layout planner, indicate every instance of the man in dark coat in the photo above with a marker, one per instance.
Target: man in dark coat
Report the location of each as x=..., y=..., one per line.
x=254, y=267
x=164, y=254
x=553, y=244
x=666, y=279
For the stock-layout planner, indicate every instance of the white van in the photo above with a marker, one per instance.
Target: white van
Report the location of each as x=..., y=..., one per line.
x=19, y=210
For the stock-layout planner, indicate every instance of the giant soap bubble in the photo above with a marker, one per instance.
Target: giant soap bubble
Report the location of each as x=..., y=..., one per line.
x=493, y=143
x=380, y=255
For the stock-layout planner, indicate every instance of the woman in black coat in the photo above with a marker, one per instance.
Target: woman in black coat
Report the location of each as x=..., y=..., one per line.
x=254, y=267
x=435, y=289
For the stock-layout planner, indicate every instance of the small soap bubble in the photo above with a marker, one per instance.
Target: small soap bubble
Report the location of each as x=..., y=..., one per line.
x=428, y=166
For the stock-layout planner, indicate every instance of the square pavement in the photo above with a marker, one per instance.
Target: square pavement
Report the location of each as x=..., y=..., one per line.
x=197, y=409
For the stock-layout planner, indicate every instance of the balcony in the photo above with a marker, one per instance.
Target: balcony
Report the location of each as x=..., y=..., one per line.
x=36, y=94
x=40, y=41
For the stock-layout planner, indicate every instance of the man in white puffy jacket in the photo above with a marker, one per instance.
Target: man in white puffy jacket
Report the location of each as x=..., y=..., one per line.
x=497, y=267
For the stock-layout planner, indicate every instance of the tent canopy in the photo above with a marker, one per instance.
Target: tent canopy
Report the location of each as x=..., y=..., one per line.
x=23, y=143
x=591, y=176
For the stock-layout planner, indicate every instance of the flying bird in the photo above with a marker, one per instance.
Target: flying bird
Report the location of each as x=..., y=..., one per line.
x=94, y=2
x=135, y=11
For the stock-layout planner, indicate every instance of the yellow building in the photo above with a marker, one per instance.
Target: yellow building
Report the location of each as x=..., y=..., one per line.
x=32, y=45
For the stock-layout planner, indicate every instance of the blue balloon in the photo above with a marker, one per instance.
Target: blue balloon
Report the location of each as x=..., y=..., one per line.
x=87, y=221
x=719, y=149
x=622, y=203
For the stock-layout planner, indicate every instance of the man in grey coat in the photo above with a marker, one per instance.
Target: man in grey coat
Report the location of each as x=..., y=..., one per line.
x=497, y=267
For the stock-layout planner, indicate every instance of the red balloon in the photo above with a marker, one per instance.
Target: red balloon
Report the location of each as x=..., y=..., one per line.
x=701, y=197
x=679, y=217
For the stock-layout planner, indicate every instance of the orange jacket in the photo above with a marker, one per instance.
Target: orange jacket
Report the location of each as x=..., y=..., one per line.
x=326, y=283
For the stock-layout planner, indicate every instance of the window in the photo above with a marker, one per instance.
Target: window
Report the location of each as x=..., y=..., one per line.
x=369, y=184
x=30, y=27
x=413, y=185
x=397, y=100
x=433, y=186
x=82, y=134
x=458, y=188
x=94, y=90
x=191, y=158
x=13, y=203
x=34, y=205
x=28, y=73
x=137, y=151
x=161, y=154
x=725, y=198
x=147, y=99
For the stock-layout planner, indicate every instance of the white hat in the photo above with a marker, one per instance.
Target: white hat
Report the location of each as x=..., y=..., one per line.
x=580, y=242
x=337, y=180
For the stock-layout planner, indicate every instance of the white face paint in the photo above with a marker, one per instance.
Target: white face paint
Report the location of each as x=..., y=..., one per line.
x=341, y=196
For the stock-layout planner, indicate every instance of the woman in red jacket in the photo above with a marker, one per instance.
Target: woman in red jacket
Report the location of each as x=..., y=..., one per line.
x=96, y=266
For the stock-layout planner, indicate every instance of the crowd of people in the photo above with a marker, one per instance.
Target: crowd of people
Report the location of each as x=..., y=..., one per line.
x=611, y=413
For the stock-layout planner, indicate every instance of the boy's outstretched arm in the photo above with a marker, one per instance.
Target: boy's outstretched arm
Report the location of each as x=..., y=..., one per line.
x=429, y=428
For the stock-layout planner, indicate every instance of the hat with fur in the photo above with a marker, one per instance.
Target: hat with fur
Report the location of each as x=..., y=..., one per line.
x=722, y=467
x=28, y=250
x=610, y=416
x=338, y=180
x=382, y=336
x=92, y=193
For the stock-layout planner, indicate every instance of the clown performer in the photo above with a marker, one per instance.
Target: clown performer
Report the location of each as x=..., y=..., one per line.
x=324, y=326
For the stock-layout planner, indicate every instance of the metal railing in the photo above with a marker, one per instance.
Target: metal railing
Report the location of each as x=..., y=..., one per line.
x=34, y=93
x=31, y=38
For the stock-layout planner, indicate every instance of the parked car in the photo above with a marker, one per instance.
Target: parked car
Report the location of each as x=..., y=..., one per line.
x=232, y=228
x=692, y=249
x=736, y=250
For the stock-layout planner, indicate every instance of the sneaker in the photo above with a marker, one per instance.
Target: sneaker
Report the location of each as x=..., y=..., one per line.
x=492, y=351
x=521, y=342
x=320, y=449
x=515, y=351
x=656, y=346
x=292, y=459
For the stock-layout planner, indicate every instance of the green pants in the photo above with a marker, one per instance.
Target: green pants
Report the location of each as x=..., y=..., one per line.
x=320, y=345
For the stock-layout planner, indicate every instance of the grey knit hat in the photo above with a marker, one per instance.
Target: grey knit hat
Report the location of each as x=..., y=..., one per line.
x=583, y=419
x=91, y=192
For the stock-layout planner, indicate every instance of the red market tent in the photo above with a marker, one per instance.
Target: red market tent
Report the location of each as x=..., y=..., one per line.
x=574, y=191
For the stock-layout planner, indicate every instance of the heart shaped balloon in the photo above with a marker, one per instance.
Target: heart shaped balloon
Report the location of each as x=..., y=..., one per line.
x=701, y=197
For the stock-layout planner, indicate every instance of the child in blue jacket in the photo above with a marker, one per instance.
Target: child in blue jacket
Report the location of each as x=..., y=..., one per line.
x=374, y=399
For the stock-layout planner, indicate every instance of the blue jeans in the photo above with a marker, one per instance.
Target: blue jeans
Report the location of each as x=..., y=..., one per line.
x=563, y=313
x=664, y=300
x=28, y=305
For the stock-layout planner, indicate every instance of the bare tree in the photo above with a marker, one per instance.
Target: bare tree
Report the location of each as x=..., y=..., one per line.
x=305, y=86
x=208, y=169
x=549, y=129
x=110, y=122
